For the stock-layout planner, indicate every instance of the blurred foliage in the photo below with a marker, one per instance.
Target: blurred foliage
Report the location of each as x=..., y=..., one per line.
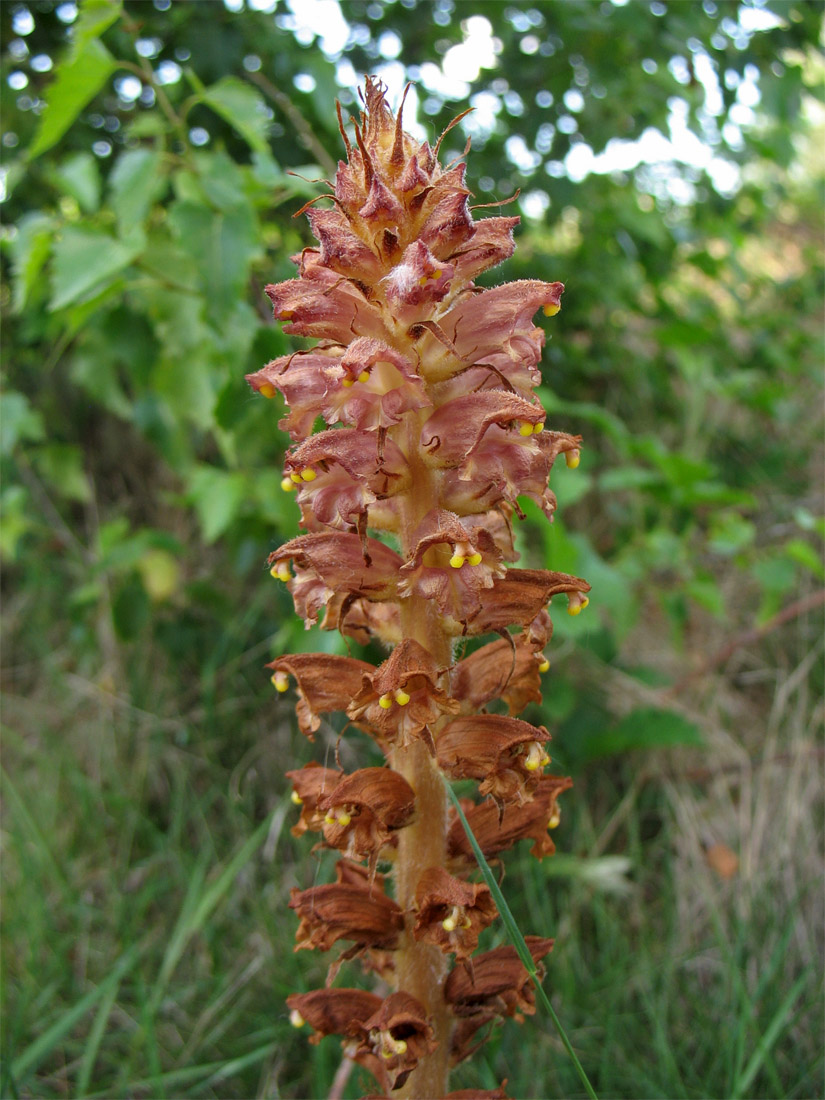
x=154, y=155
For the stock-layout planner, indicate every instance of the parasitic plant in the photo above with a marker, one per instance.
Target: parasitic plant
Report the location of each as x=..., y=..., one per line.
x=433, y=432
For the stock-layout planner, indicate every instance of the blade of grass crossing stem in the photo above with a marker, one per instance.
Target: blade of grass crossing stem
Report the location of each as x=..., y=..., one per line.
x=772, y=1033
x=45, y=1043
x=196, y=910
x=87, y=1063
x=517, y=939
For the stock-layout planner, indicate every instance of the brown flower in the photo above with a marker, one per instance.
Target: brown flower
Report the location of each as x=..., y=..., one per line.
x=309, y=784
x=505, y=754
x=364, y=810
x=401, y=699
x=520, y=596
x=452, y=913
x=302, y=378
x=394, y=1039
x=360, y=912
x=324, y=682
x=495, y=831
x=332, y=1011
x=499, y=670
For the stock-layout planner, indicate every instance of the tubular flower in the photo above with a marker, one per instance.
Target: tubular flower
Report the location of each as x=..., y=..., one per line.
x=433, y=432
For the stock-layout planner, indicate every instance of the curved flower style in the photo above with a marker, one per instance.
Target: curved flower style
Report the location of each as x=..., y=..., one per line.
x=426, y=385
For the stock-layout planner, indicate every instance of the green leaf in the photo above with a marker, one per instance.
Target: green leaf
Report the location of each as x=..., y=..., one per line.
x=85, y=258
x=643, y=728
x=60, y=465
x=242, y=108
x=79, y=177
x=95, y=17
x=18, y=422
x=29, y=249
x=77, y=80
x=222, y=244
x=217, y=496
x=136, y=181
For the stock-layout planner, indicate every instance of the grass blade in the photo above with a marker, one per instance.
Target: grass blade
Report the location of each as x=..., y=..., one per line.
x=772, y=1033
x=517, y=939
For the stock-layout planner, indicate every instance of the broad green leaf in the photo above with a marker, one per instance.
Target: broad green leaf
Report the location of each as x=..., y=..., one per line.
x=802, y=552
x=136, y=181
x=79, y=177
x=94, y=18
x=242, y=107
x=85, y=258
x=217, y=496
x=78, y=79
x=222, y=245
x=60, y=466
x=29, y=249
x=643, y=728
x=18, y=421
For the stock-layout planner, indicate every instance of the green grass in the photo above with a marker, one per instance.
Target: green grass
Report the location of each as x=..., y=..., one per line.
x=147, y=944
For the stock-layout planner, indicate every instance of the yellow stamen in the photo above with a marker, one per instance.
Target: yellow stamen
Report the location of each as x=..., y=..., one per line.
x=551, y=309
x=401, y=697
x=474, y=559
x=338, y=816
x=545, y=664
x=525, y=428
x=364, y=376
x=266, y=389
x=287, y=484
x=347, y=382
x=448, y=924
x=538, y=427
x=554, y=821
x=572, y=458
x=308, y=474
x=296, y=1019
x=456, y=917
x=576, y=606
x=280, y=571
x=296, y=477
x=536, y=757
x=286, y=314
x=280, y=681
x=385, y=702
x=457, y=560
x=389, y=1046
x=296, y=799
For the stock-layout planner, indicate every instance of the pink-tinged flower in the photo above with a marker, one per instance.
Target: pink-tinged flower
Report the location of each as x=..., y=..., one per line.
x=324, y=683
x=506, y=755
x=490, y=243
x=451, y=564
x=401, y=699
x=376, y=386
x=341, y=472
x=342, y=250
x=456, y=430
x=302, y=378
x=452, y=913
x=448, y=222
x=365, y=810
x=496, y=831
x=309, y=784
x=499, y=670
x=325, y=305
x=414, y=286
x=520, y=597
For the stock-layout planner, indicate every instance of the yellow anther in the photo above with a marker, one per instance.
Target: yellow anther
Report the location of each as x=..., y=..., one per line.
x=296, y=477
x=280, y=571
x=286, y=314
x=545, y=664
x=536, y=757
x=280, y=681
x=308, y=474
x=551, y=309
x=329, y=819
x=337, y=816
x=287, y=484
x=448, y=924
x=296, y=799
x=457, y=560
x=525, y=428
x=343, y=818
x=538, y=427
x=364, y=376
x=266, y=389
x=347, y=382
x=401, y=697
x=474, y=559
x=423, y=280
x=391, y=1047
x=573, y=458
x=296, y=1019
x=554, y=821
x=385, y=702
x=436, y=275
x=575, y=606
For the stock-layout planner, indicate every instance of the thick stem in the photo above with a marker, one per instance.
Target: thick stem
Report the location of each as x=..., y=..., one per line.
x=421, y=968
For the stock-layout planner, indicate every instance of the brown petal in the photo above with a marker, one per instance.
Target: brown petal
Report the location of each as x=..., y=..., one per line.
x=325, y=683
x=338, y=560
x=495, y=832
x=365, y=809
x=452, y=913
x=308, y=785
x=457, y=428
x=490, y=243
x=518, y=597
x=395, y=1038
x=346, y=911
x=504, y=753
x=333, y=1011
x=499, y=670
x=341, y=249
x=497, y=981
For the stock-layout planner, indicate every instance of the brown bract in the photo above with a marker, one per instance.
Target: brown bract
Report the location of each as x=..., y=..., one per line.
x=324, y=683
x=504, y=754
x=499, y=670
x=451, y=913
x=496, y=831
